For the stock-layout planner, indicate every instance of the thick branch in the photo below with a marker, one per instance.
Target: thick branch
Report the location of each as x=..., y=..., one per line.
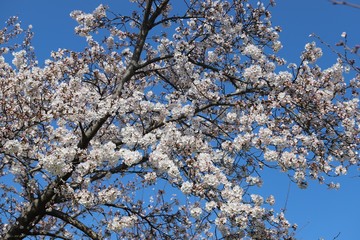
x=48, y=234
x=91, y=132
x=147, y=24
x=76, y=223
x=34, y=212
x=118, y=169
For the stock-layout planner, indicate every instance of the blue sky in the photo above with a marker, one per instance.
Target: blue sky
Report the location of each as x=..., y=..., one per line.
x=319, y=212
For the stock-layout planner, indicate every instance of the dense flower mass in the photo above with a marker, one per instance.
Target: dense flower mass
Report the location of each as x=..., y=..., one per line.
x=150, y=134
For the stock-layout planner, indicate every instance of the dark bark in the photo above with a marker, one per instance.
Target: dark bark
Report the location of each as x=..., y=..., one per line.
x=76, y=223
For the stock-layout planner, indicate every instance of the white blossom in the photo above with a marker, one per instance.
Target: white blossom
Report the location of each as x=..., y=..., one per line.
x=340, y=170
x=196, y=212
x=130, y=157
x=19, y=59
x=210, y=206
x=271, y=200
x=117, y=224
x=186, y=187
x=253, y=51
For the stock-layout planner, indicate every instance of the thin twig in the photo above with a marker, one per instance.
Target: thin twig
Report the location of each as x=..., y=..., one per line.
x=287, y=197
x=337, y=236
x=345, y=3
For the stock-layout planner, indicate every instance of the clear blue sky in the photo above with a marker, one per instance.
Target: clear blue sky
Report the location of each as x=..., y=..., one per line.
x=318, y=212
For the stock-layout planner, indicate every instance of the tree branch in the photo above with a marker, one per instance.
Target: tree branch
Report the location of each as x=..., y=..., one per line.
x=32, y=214
x=44, y=233
x=345, y=3
x=146, y=26
x=118, y=169
x=74, y=222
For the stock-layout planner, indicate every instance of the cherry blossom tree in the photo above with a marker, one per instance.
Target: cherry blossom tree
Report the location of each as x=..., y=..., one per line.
x=161, y=127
